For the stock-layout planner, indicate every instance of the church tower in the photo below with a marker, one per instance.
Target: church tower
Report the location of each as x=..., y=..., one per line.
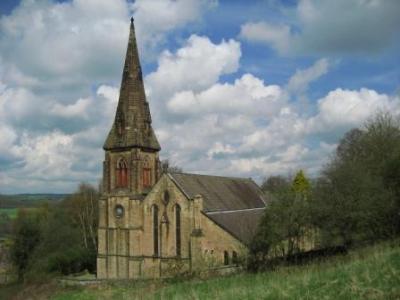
x=131, y=163
x=130, y=169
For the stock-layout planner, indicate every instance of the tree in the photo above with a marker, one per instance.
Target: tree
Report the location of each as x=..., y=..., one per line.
x=26, y=237
x=274, y=184
x=282, y=229
x=355, y=197
x=83, y=209
x=300, y=184
x=61, y=249
x=61, y=238
x=350, y=148
x=168, y=167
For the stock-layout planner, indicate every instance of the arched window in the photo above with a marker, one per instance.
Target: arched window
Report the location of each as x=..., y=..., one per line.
x=122, y=174
x=146, y=176
x=155, y=230
x=234, y=257
x=178, y=230
x=226, y=258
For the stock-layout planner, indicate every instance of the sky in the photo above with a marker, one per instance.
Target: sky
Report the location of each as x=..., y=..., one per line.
x=236, y=88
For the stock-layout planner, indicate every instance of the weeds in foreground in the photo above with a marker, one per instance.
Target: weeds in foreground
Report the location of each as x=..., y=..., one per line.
x=367, y=273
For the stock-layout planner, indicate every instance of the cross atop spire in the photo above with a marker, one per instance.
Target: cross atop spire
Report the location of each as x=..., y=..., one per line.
x=132, y=125
x=132, y=19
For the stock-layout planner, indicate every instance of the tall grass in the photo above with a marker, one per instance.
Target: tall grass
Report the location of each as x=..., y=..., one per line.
x=365, y=274
x=368, y=273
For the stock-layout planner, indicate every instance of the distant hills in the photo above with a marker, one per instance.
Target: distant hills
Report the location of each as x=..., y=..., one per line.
x=28, y=200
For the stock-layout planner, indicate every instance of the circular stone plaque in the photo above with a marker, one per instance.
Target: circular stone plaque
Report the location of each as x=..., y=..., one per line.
x=119, y=211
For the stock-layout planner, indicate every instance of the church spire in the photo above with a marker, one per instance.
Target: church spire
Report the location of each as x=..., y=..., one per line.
x=132, y=124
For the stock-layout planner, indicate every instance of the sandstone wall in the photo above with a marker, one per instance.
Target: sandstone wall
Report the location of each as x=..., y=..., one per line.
x=126, y=247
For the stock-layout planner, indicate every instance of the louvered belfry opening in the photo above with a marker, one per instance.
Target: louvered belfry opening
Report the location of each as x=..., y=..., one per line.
x=146, y=177
x=122, y=174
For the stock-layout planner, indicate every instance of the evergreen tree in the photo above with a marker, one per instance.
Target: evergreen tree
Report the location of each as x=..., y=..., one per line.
x=301, y=184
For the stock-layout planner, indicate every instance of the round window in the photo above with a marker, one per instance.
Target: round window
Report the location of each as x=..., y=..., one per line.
x=166, y=198
x=119, y=211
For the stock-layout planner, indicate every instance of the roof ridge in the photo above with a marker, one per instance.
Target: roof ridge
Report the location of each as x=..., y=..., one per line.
x=213, y=212
x=178, y=185
x=219, y=176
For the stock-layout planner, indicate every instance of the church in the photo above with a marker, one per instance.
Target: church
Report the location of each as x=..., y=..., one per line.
x=154, y=224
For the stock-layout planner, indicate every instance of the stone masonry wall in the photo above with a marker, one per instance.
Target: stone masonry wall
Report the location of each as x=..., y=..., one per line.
x=126, y=248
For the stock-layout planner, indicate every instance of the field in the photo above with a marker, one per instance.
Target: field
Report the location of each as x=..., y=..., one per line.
x=368, y=273
x=28, y=200
x=10, y=212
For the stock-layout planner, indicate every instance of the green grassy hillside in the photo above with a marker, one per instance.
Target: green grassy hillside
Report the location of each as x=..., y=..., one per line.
x=369, y=273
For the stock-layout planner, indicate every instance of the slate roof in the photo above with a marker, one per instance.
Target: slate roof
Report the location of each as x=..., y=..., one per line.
x=242, y=224
x=221, y=193
x=132, y=123
x=235, y=204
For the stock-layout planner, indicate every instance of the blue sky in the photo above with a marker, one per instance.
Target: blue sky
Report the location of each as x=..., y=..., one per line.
x=238, y=88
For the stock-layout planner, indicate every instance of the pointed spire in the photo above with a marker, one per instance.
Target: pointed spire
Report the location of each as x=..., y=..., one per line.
x=132, y=124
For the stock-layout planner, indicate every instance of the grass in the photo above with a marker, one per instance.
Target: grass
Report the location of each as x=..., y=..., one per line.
x=368, y=273
x=11, y=212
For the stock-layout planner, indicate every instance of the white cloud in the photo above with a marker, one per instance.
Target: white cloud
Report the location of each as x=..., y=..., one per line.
x=248, y=95
x=160, y=16
x=78, y=109
x=21, y=106
x=278, y=36
x=46, y=155
x=64, y=42
x=284, y=163
x=49, y=162
x=247, y=127
x=236, y=140
x=108, y=92
x=299, y=82
x=220, y=149
x=81, y=41
x=52, y=160
x=197, y=65
x=59, y=63
x=279, y=133
x=331, y=27
x=7, y=138
x=349, y=108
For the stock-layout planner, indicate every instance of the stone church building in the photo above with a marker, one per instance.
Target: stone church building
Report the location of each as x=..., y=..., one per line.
x=153, y=224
